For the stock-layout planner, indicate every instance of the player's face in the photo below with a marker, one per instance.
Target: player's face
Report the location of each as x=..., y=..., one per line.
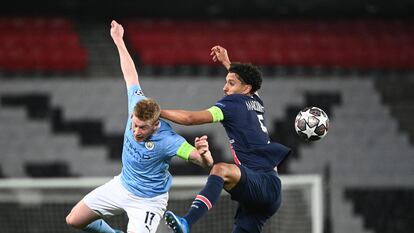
x=143, y=129
x=233, y=85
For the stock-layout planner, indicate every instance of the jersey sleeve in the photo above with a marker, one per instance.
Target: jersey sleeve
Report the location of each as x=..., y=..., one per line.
x=185, y=150
x=135, y=94
x=224, y=108
x=216, y=113
x=178, y=146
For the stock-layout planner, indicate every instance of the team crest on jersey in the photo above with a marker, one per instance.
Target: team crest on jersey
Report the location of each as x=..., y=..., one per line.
x=149, y=145
x=139, y=92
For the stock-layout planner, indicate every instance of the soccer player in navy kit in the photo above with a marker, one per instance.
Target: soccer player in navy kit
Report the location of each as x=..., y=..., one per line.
x=141, y=189
x=253, y=180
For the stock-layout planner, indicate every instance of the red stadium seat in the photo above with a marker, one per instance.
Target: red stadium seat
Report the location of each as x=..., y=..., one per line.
x=40, y=44
x=349, y=44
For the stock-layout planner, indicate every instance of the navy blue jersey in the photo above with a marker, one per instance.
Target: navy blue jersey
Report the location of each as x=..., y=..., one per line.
x=243, y=120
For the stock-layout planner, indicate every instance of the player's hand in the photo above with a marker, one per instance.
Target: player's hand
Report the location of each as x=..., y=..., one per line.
x=117, y=32
x=201, y=145
x=219, y=53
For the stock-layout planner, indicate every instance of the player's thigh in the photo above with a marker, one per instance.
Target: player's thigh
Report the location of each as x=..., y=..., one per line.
x=107, y=199
x=145, y=214
x=81, y=215
x=258, y=190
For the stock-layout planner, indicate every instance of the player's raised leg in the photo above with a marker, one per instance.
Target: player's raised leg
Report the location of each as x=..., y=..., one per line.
x=222, y=175
x=83, y=218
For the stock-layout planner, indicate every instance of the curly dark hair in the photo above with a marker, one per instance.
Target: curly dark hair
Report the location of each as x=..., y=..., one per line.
x=248, y=73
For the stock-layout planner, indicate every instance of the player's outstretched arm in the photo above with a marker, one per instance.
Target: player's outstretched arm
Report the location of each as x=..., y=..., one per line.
x=127, y=64
x=202, y=155
x=184, y=117
x=219, y=53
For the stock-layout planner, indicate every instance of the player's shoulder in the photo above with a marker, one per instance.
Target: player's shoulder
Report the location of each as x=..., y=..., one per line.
x=166, y=135
x=230, y=100
x=166, y=132
x=233, y=97
x=165, y=127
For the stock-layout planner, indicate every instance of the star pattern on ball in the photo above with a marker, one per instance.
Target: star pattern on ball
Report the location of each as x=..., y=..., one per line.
x=310, y=126
x=311, y=123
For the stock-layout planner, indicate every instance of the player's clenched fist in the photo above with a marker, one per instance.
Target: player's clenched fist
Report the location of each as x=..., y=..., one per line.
x=201, y=145
x=117, y=32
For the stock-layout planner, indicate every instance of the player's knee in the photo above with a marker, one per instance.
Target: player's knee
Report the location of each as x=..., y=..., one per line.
x=70, y=221
x=220, y=169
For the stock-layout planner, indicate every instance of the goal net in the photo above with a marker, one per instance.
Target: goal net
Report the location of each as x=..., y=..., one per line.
x=41, y=205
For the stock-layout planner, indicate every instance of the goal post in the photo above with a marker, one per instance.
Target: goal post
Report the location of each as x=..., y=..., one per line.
x=40, y=205
x=314, y=182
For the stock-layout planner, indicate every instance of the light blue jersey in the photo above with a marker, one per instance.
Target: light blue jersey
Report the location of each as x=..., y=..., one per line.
x=145, y=164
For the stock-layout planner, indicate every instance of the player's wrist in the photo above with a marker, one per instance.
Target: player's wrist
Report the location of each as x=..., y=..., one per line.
x=227, y=64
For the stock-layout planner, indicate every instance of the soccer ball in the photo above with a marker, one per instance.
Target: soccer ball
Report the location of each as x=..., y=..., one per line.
x=311, y=124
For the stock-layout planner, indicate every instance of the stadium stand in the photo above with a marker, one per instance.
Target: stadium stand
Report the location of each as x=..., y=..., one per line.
x=32, y=44
x=392, y=216
x=360, y=152
x=397, y=93
x=360, y=149
x=366, y=159
x=345, y=44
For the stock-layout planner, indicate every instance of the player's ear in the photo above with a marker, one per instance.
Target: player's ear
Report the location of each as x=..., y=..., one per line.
x=247, y=89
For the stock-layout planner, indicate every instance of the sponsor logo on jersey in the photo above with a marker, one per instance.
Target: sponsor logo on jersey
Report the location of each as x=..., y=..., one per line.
x=149, y=145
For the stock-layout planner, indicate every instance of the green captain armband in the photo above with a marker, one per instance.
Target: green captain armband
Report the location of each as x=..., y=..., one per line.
x=216, y=113
x=185, y=150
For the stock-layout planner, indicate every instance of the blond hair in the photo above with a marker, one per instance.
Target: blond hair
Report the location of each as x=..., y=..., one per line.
x=147, y=110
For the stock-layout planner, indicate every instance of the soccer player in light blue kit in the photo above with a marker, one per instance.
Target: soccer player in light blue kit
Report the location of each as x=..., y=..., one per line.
x=141, y=190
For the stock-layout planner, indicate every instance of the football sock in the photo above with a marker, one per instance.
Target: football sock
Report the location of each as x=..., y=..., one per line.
x=98, y=226
x=205, y=200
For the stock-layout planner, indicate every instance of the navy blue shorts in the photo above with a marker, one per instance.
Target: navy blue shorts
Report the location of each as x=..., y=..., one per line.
x=259, y=197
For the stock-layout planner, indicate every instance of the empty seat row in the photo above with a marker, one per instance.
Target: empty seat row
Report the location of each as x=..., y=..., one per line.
x=40, y=44
x=184, y=42
x=20, y=59
x=268, y=39
x=39, y=39
x=359, y=57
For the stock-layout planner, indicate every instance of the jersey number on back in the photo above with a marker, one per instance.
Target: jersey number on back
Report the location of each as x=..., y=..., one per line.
x=261, y=121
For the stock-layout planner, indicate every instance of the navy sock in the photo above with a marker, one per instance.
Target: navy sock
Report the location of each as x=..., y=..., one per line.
x=205, y=199
x=98, y=226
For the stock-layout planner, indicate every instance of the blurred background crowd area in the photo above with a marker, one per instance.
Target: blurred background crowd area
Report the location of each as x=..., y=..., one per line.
x=63, y=103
